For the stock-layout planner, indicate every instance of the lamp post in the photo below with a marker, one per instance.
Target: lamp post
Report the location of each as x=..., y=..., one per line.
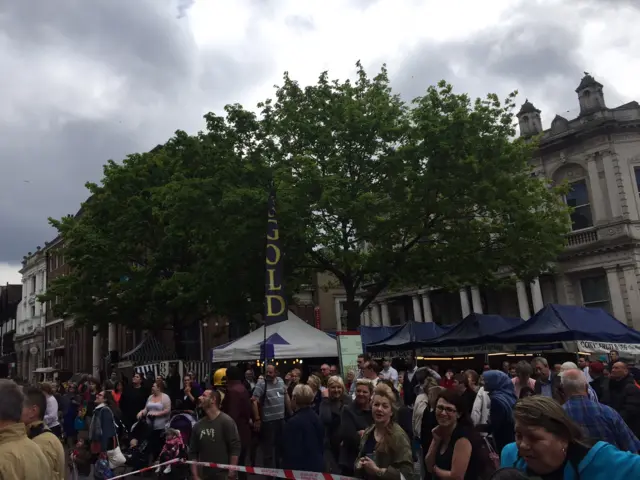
x=203, y=326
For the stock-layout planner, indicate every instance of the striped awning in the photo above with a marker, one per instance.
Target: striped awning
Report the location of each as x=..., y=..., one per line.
x=149, y=350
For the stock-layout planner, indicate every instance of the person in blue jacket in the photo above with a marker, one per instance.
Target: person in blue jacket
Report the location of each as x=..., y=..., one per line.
x=303, y=434
x=550, y=446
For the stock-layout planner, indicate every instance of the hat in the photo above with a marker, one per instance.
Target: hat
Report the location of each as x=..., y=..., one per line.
x=596, y=367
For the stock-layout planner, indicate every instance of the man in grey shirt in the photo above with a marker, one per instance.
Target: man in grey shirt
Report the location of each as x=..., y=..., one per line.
x=270, y=401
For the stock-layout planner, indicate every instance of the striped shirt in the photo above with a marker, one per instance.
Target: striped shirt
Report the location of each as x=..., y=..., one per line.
x=273, y=402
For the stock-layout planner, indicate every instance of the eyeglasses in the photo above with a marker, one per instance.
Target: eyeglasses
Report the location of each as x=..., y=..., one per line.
x=447, y=410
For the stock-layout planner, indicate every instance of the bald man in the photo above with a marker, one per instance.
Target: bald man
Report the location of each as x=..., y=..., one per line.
x=623, y=395
x=599, y=421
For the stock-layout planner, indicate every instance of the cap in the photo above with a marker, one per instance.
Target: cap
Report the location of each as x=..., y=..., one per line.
x=596, y=367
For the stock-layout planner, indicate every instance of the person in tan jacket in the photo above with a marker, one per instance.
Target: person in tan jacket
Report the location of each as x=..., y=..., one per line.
x=20, y=457
x=34, y=407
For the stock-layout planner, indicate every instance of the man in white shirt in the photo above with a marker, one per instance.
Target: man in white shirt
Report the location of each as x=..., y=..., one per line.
x=583, y=364
x=389, y=373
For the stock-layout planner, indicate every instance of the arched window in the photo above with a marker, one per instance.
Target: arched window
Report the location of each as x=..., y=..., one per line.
x=578, y=198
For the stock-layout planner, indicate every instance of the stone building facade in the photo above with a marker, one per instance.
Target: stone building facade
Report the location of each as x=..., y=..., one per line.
x=598, y=154
x=30, y=315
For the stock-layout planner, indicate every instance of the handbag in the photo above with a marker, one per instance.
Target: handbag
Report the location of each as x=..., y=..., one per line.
x=115, y=456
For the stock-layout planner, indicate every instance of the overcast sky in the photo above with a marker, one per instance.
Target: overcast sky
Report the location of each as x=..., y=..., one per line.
x=83, y=82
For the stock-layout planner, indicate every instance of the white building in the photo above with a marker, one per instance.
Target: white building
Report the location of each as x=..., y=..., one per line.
x=30, y=316
x=598, y=154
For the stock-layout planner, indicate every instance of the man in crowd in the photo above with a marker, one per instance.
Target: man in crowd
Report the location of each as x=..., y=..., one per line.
x=410, y=382
x=270, y=401
x=623, y=395
x=583, y=364
x=389, y=373
x=20, y=457
x=133, y=400
x=214, y=439
x=237, y=404
x=294, y=379
x=599, y=421
x=598, y=381
x=361, y=359
x=33, y=411
x=546, y=381
x=249, y=380
x=325, y=373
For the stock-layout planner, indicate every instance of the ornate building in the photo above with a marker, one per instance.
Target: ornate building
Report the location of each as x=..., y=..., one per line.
x=598, y=154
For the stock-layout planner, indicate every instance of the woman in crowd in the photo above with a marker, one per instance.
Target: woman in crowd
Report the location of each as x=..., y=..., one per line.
x=524, y=370
x=429, y=422
x=73, y=403
x=421, y=405
x=315, y=383
x=102, y=430
x=349, y=379
x=385, y=451
x=550, y=446
x=51, y=414
x=117, y=392
x=334, y=399
x=187, y=399
x=451, y=453
x=303, y=435
x=356, y=418
x=156, y=412
x=501, y=392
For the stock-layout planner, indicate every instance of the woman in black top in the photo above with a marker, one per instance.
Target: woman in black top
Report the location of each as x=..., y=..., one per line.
x=187, y=400
x=451, y=450
x=356, y=418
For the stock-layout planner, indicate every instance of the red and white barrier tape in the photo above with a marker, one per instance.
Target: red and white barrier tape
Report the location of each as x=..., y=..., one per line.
x=273, y=472
x=146, y=469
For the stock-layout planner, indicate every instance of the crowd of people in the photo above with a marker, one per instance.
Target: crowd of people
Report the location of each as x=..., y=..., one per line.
x=527, y=420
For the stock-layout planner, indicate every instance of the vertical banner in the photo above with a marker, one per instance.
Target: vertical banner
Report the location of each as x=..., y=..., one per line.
x=275, y=305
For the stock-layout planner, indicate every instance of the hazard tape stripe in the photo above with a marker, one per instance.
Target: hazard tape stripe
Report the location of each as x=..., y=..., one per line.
x=273, y=472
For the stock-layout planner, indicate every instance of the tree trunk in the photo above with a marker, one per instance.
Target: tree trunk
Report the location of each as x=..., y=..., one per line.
x=353, y=312
x=178, y=338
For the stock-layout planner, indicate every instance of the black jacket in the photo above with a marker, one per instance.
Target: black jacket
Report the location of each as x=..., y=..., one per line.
x=624, y=397
x=409, y=389
x=353, y=420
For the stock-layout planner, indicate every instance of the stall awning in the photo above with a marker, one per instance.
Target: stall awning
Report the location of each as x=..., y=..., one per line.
x=149, y=350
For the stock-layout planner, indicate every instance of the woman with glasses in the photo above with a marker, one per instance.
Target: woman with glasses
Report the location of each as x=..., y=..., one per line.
x=451, y=453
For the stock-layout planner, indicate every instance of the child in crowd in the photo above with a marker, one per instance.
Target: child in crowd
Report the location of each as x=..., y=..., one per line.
x=81, y=460
x=135, y=455
x=173, y=449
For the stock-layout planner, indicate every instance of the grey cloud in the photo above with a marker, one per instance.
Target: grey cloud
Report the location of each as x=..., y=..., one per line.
x=300, y=23
x=59, y=128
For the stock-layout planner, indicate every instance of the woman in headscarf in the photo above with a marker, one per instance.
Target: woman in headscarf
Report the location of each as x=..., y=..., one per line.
x=503, y=398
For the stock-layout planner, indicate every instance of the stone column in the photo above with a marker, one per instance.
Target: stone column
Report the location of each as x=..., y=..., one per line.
x=476, y=301
x=375, y=315
x=612, y=187
x=95, y=364
x=417, y=312
x=597, y=198
x=633, y=295
x=367, y=316
x=464, y=302
x=384, y=310
x=536, y=295
x=426, y=307
x=338, y=315
x=615, y=295
x=113, y=329
x=523, y=300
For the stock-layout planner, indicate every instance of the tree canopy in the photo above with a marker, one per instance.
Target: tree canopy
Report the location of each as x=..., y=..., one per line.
x=386, y=193
x=380, y=192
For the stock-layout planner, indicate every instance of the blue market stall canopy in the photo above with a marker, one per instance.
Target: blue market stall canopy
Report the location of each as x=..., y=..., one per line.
x=291, y=338
x=409, y=335
x=371, y=335
x=567, y=323
x=474, y=329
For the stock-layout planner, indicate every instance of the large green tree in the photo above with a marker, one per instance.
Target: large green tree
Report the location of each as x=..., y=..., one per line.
x=385, y=193
x=172, y=236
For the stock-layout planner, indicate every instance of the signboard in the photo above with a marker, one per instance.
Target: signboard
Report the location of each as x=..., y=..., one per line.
x=349, y=349
x=605, y=347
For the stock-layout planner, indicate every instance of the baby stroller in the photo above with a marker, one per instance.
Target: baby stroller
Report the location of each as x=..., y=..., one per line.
x=137, y=451
x=184, y=422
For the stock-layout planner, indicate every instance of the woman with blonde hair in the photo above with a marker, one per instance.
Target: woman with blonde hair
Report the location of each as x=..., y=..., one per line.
x=356, y=418
x=334, y=399
x=385, y=451
x=550, y=445
x=316, y=386
x=303, y=435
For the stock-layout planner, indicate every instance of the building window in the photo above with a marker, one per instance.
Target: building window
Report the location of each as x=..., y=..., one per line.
x=595, y=292
x=636, y=170
x=33, y=284
x=33, y=311
x=578, y=199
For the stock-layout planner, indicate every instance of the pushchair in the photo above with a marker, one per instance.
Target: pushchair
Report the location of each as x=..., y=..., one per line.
x=138, y=455
x=184, y=422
